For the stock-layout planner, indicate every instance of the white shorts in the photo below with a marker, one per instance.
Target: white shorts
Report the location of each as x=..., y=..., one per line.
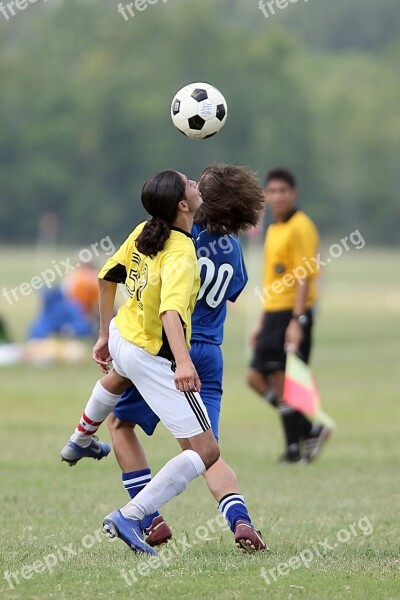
x=183, y=413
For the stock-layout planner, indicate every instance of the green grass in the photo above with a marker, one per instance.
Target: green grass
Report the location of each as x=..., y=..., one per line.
x=47, y=506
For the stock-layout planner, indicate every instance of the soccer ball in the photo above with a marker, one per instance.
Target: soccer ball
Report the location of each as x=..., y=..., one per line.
x=199, y=110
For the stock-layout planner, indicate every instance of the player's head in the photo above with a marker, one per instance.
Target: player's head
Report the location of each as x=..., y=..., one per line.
x=164, y=196
x=280, y=191
x=233, y=200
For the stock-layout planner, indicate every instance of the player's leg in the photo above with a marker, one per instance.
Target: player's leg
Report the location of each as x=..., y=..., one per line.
x=270, y=388
x=186, y=418
x=263, y=384
x=136, y=473
x=105, y=395
x=130, y=411
x=220, y=478
x=170, y=481
x=128, y=450
x=266, y=377
x=290, y=422
x=223, y=485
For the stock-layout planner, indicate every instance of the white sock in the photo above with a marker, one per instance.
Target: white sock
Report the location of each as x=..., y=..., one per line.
x=168, y=483
x=99, y=406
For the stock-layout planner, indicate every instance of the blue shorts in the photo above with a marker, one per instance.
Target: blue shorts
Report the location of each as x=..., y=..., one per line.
x=207, y=358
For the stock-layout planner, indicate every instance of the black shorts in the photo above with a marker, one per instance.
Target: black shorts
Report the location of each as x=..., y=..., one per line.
x=269, y=355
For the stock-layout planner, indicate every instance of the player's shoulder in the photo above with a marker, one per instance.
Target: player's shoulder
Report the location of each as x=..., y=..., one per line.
x=233, y=241
x=217, y=246
x=179, y=237
x=197, y=230
x=136, y=232
x=202, y=236
x=301, y=220
x=179, y=243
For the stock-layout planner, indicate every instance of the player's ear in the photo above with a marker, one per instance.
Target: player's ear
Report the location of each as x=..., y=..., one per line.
x=183, y=205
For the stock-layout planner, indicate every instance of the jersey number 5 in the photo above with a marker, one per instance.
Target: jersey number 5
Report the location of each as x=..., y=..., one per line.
x=137, y=282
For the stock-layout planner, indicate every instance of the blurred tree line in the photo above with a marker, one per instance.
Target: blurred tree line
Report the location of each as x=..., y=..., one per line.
x=85, y=99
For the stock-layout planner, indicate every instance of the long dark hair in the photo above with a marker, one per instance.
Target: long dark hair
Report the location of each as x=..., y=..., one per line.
x=161, y=195
x=233, y=200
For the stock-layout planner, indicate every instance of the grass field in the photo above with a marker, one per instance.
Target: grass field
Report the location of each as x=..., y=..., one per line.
x=50, y=510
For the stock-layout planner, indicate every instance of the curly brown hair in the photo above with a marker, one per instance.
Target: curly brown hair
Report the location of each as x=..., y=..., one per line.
x=233, y=200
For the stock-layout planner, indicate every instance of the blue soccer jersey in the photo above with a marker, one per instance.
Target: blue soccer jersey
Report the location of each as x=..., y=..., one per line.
x=223, y=276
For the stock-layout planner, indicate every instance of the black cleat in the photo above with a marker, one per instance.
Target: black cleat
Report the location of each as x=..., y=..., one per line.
x=314, y=443
x=292, y=455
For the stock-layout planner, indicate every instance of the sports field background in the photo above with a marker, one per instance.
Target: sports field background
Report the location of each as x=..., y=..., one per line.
x=46, y=506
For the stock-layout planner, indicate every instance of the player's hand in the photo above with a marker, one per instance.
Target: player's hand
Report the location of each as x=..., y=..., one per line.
x=186, y=378
x=101, y=354
x=293, y=336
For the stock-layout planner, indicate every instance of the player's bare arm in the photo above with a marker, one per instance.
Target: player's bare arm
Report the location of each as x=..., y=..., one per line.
x=101, y=353
x=294, y=332
x=185, y=377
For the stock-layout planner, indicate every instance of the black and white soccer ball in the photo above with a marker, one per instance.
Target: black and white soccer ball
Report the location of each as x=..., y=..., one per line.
x=199, y=110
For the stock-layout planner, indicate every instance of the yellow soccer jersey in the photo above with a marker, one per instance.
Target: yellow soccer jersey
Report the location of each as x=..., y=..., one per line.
x=168, y=281
x=289, y=250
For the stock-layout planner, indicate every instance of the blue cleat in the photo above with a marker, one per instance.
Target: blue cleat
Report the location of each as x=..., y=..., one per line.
x=71, y=452
x=128, y=530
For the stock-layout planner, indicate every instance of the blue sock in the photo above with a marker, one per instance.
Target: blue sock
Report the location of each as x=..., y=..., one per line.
x=233, y=507
x=134, y=482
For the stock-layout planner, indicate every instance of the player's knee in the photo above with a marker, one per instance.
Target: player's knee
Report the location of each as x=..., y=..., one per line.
x=111, y=422
x=114, y=423
x=205, y=445
x=210, y=455
x=250, y=378
x=253, y=379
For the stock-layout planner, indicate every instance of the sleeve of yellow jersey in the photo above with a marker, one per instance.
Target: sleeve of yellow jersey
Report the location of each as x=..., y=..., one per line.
x=115, y=267
x=305, y=249
x=177, y=279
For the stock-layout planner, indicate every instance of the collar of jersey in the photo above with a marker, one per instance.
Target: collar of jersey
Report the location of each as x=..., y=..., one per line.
x=174, y=228
x=288, y=216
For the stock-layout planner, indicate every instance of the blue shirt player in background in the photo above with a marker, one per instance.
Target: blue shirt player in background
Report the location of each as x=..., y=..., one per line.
x=232, y=202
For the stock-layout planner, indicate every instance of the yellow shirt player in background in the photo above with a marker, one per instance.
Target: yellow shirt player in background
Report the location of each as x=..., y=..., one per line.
x=288, y=296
